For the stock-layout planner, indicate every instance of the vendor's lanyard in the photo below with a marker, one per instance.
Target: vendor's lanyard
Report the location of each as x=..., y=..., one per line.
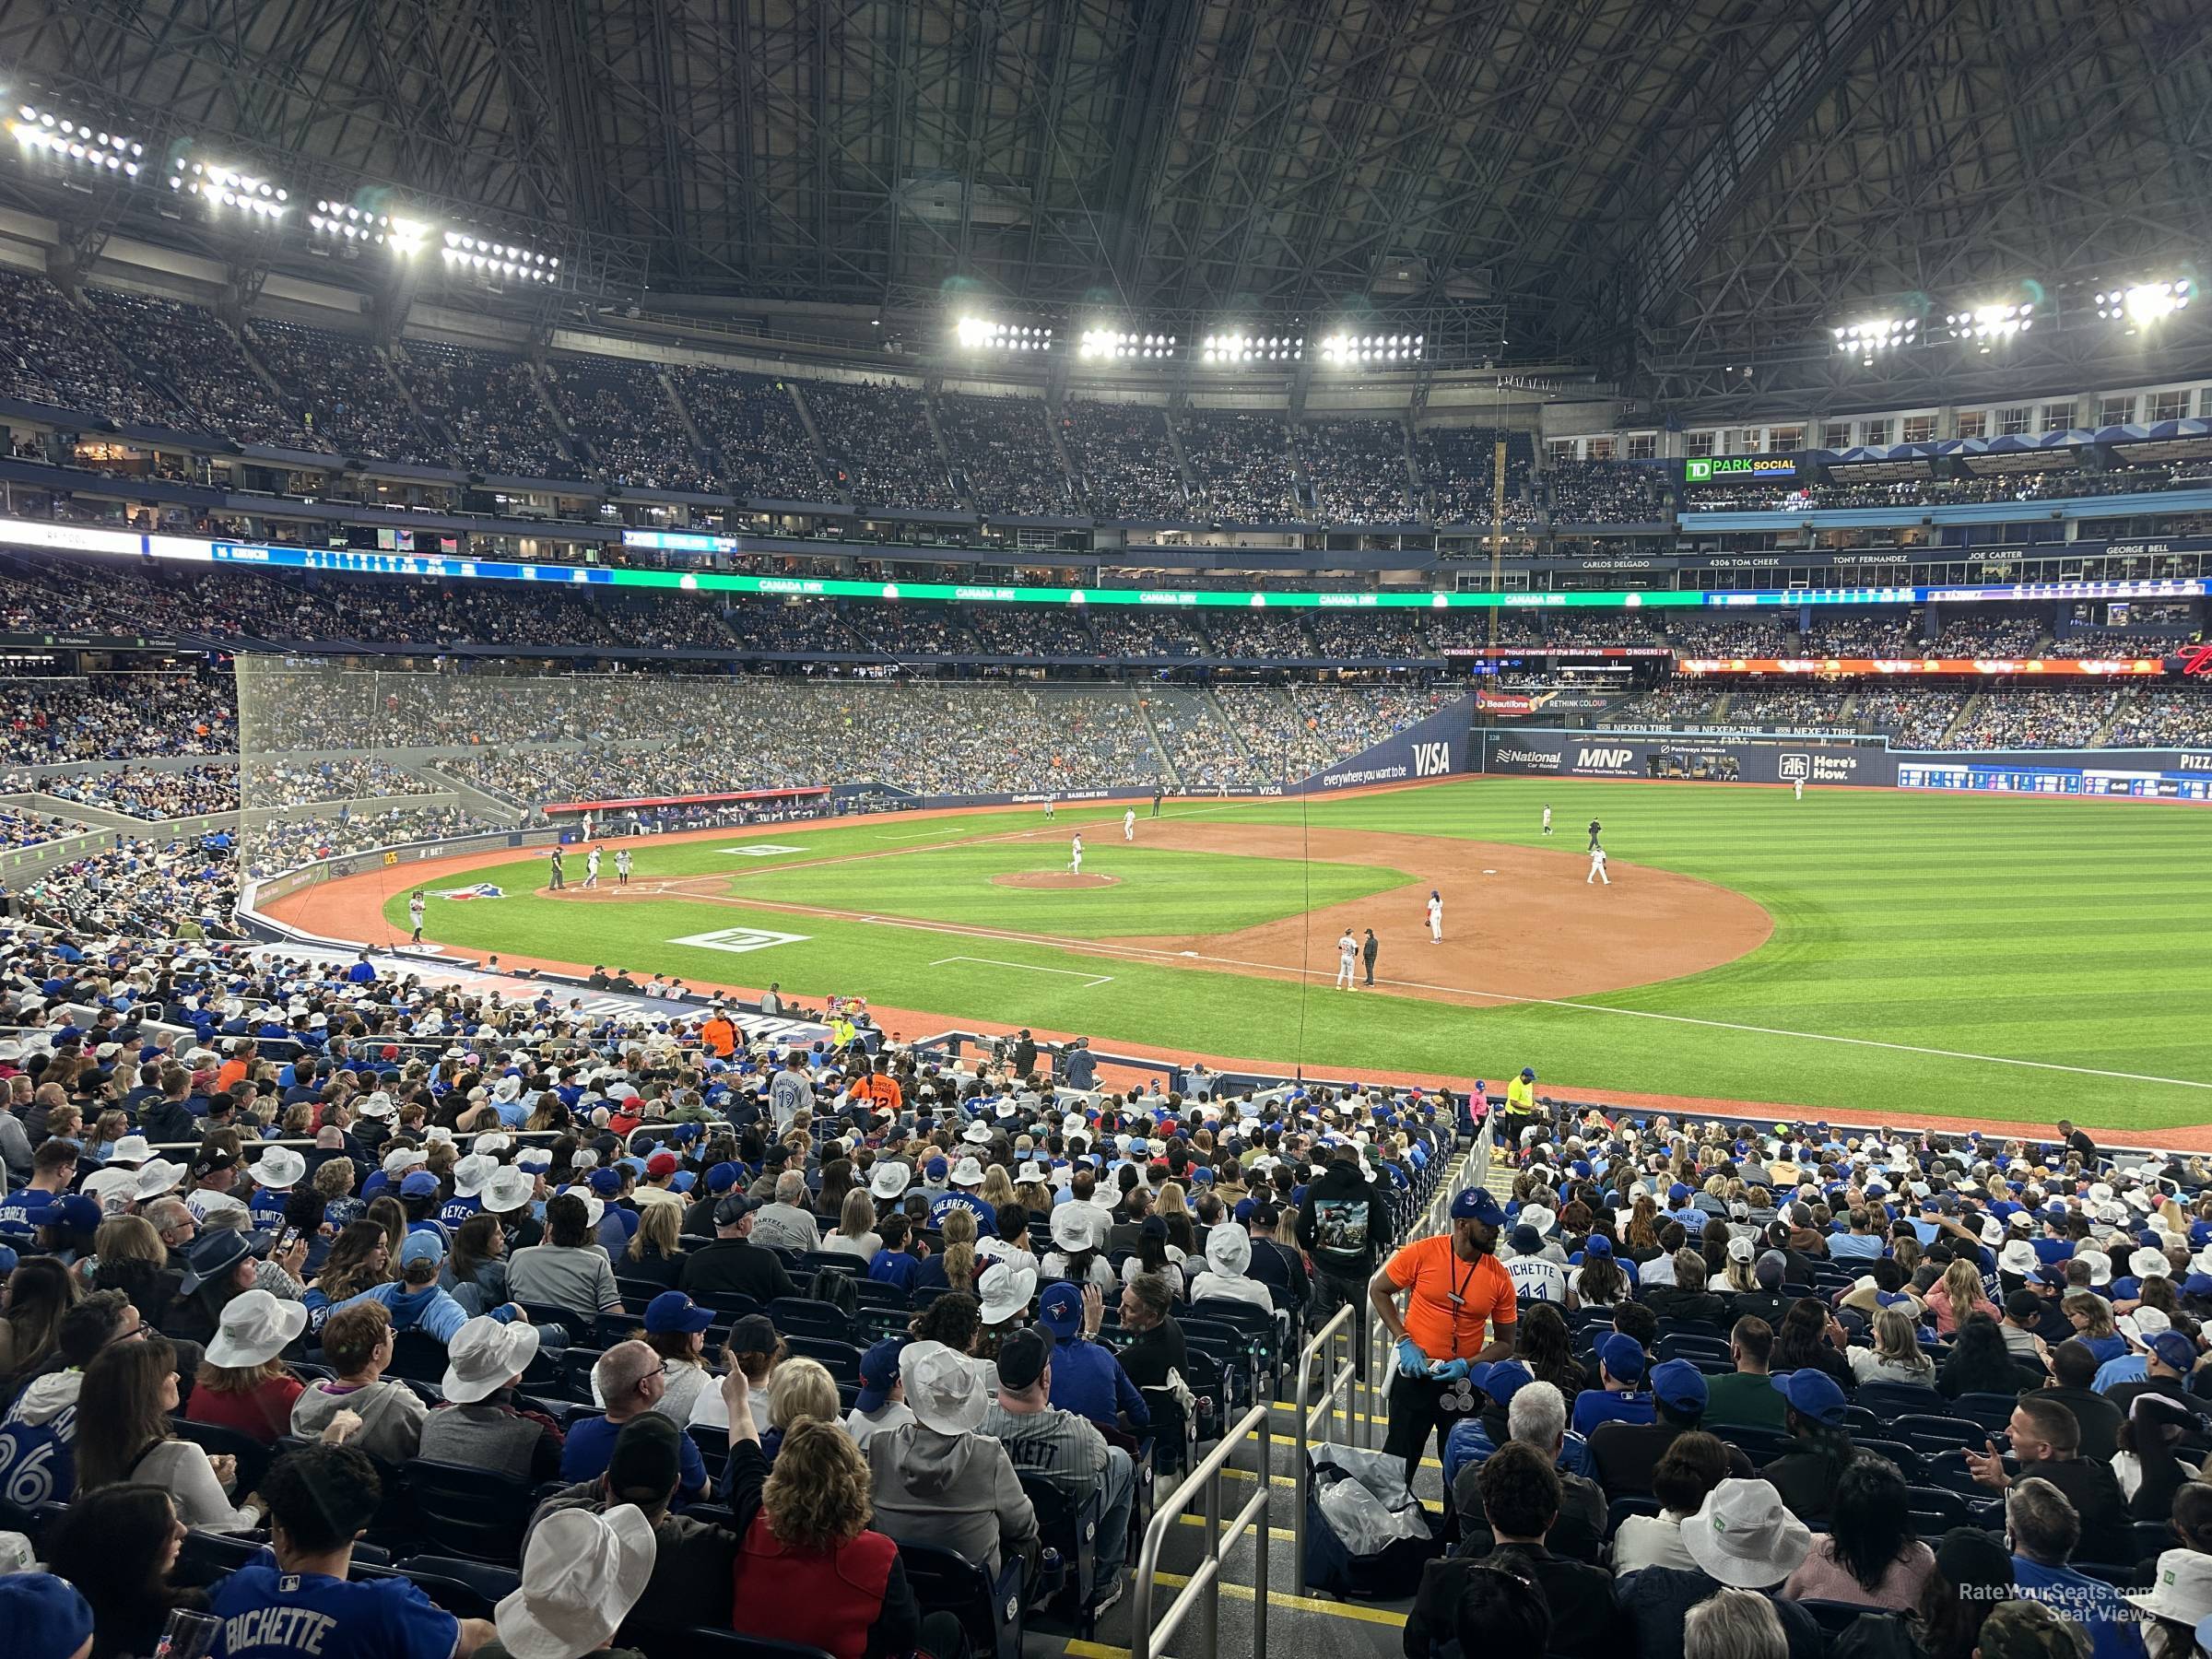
x=1458, y=1294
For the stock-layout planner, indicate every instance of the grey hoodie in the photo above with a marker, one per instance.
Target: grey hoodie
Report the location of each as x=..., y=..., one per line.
x=958, y=1490
x=392, y=1415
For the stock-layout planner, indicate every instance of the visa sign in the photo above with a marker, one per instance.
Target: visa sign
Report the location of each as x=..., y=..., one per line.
x=1432, y=760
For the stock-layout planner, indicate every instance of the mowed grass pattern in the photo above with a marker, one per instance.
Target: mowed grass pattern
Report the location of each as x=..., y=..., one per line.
x=2064, y=933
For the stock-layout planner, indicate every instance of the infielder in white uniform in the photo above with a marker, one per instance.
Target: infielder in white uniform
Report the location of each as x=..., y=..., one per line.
x=1436, y=917
x=1348, y=956
x=1075, y=862
x=1048, y=808
x=622, y=868
x=1129, y=824
x=415, y=910
x=1547, y=820
x=590, y=868
x=1597, y=868
x=1800, y=788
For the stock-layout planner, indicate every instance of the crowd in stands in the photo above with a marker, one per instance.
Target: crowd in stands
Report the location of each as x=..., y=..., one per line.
x=185, y=348
x=2036, y=719
x=271, y=846
x=1121, y=633
x=1127, y=466
x=52, y=352
x=1272, y=634
x=1882, y=634
x=138, y=888
x=2162, y=720
x=1608, y=492
x=141, y=792
x=1356, y=469
x=1683, y=703
x=490, y=408
x=1003, y=451
x=738, y=1370
x=1790, y=708
x=116, y=717
x=1391, y=635
x=622, y=412
x=1241, y=464
x=1994, y=635
x=1203, y=750
x=754, y=429
x=880, y=436
x=340, y=391
x=1701, y=636
x=26, y=827
x=1458, y=469
x=1914, y=719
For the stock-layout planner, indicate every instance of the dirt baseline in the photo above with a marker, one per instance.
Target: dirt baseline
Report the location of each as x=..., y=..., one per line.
x=1051, y=878
x=1519, y=921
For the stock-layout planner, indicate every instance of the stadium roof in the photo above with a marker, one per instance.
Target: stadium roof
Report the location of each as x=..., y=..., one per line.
x=1653, y=180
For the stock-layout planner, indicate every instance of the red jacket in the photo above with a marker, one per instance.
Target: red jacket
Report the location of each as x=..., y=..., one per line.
x=821, y=1598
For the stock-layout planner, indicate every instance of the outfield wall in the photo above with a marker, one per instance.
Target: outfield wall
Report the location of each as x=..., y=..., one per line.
x=2140, y=774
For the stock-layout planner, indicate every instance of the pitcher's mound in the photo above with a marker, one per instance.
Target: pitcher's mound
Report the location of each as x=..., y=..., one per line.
x=1051, y=878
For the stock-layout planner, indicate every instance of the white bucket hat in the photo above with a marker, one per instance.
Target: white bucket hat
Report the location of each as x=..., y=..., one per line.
x=1071, y=1227
x=483, y=1355
x=158, y=1177
x=1005, y=1290
x=889, y=1180
x=1744, y=1536
x=113, y=1188
x=471, y=1173
x=581, y=1574
x=2141, y=1326
x=977, y=1133
x=2100, y=1265
x=2019, y=1256
x=2182, y=1590
x=279, y=1167
x=131, y=1150
x=2146, y=1262
x=255, y=1328
x=399, y=1161
x=944, y=1390
x=509, y=1189
x=968, y=1172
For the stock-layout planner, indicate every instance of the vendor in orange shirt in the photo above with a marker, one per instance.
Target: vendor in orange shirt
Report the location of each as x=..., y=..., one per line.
x=1455, y=1291
x=718, y=1036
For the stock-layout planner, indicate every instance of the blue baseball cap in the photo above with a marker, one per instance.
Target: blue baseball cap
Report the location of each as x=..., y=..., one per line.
x=879, y=1374
x=419, y=1183
x=1060, y=1309
x=606, y=1181
x=424, y=1246
x=722, y=1177
x=1623, y=1357
x=1598, y=1244
x=1678, y=1385
x=47, y=1617
x=1812, y=1393
x=1501, y=1380
x=2174, y=1351
x=937, y=1169
x=673, y=1310
x=74, y=1209
x=1477, y=1204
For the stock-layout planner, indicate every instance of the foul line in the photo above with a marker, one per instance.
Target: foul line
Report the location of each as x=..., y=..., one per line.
x=1095, y=978
x=1154, y=954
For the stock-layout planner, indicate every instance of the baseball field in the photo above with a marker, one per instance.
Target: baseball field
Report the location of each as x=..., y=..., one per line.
x=2001, y=959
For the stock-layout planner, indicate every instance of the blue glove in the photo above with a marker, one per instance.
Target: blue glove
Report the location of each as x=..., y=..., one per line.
x=1412, y=1363
x=1449, y=1370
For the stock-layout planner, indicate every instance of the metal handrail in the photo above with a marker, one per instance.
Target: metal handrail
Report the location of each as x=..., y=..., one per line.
x=1360, y=1428
x=1204, y=1588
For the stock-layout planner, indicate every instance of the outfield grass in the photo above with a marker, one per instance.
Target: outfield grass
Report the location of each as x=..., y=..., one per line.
x=2064, y=932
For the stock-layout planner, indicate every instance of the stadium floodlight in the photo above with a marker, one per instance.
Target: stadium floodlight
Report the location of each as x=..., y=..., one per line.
x=1237, y=349
x=2147, y=303
x=1862, y=340
x=1366, y=350
x=1105, y=344
x=471, y=255
x=1985, y=325
x=227, y=187
x=362, y=226
x=79, y=143
x=987, y=333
